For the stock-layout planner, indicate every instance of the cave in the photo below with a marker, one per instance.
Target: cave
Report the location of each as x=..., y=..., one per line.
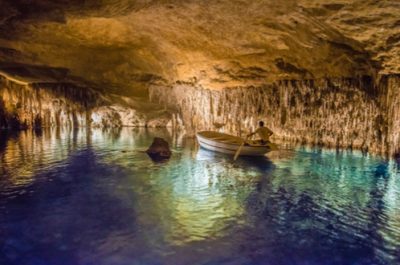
x=280, y=121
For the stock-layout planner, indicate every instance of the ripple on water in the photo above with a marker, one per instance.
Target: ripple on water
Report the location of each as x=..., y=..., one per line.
x=79, y=197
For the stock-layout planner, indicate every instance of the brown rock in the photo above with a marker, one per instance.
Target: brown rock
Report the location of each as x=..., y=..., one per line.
x=159, y=150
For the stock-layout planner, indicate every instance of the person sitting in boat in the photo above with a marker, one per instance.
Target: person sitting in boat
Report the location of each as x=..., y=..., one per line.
x=263, y=132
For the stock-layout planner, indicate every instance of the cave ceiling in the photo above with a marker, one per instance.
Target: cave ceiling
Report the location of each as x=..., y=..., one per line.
x=125, y=45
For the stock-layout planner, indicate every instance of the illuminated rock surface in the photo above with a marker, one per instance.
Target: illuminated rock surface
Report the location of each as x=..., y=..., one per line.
x=237, y=49
x=40, y=105
x=335, y=112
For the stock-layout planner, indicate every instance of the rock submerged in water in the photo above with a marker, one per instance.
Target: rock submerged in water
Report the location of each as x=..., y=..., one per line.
x=159, y=150
x=397, y=157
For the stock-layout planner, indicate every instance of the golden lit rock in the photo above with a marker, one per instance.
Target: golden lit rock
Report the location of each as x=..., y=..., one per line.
x=193, y=48
x=126, y=44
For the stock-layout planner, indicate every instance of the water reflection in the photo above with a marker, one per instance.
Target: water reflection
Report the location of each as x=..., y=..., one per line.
x=193, y=199
x=328, y=199
x=22, y=153
x=94, y=197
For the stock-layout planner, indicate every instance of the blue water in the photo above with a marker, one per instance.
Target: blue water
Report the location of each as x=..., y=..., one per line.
x=94, y=197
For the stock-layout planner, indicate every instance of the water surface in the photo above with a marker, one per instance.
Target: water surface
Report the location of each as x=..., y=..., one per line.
x=94, y=197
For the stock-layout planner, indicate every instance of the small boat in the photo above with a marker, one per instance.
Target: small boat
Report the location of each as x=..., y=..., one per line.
x=229, y=144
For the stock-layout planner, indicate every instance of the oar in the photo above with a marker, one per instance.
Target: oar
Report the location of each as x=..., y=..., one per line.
x=238, y=151
x=196, y=149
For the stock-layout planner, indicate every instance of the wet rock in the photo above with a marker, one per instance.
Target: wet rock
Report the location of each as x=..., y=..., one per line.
x=159, y=150
x=397, y=158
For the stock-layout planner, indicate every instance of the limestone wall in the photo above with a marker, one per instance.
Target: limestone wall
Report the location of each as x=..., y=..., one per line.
x=345, y=112
x=54, y=105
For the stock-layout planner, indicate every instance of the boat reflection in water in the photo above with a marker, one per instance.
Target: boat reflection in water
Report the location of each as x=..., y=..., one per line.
x=94, y=197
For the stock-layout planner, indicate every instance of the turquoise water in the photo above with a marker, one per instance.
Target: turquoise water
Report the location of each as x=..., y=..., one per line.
x=94, y=197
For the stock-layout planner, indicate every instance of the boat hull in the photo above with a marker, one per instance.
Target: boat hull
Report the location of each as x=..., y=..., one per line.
x=228, y=144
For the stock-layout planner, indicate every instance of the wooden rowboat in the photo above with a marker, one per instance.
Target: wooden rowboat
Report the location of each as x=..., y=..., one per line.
x=229, y=144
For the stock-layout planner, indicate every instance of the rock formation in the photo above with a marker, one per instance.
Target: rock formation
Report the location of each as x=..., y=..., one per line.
x=124, y=45
x=316, y=71
x=343, y=112
x=159, y=150
x=37, y=105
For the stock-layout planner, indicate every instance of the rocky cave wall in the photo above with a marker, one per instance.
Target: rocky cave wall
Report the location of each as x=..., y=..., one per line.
x=240, y=50
x=342, y=112
x=390, y=101
x=24, y=106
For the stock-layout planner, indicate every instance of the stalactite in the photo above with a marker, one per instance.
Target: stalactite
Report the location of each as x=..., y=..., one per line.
x=42, y=105
x=390, y=100
x=47, y=105
x=342, y=112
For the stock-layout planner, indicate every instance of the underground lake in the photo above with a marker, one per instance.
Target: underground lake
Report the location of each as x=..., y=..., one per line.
x=199, y=132
x=94, y=197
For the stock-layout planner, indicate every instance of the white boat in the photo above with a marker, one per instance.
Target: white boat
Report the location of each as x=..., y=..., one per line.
x=229, y=144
